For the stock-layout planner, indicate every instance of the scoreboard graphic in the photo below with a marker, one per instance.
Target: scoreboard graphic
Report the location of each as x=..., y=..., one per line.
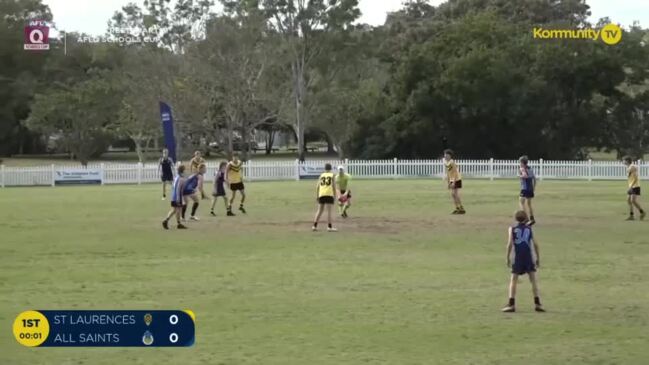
x=104, y=328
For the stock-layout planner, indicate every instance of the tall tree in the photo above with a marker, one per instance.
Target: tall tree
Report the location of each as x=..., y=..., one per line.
x=21, y=73
x=237, y=61
x=301, y=24
x=79, y=114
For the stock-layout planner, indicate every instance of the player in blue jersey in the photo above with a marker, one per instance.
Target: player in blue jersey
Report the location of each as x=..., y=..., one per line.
x=193, y=187
x=219, y=188
x=165, y=168
x=528, y=186
x=526, y=259
x=177, y=202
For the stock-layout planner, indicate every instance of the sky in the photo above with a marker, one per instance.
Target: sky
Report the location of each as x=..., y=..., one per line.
x=91, y=16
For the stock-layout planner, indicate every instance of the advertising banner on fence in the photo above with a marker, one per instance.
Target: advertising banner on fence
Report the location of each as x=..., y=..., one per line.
x=77, y=177
x=310, y=172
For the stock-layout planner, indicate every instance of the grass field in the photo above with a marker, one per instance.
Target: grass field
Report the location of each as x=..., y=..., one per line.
x=403, y=282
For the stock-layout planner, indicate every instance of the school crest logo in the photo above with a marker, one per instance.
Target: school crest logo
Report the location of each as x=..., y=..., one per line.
x=147, y=338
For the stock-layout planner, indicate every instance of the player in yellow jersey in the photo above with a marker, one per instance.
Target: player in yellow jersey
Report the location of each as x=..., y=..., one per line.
x=345, y=196
x=454, y=180
x=326, y=196
x=196, y=162
x=634, y=188
x=234, y=177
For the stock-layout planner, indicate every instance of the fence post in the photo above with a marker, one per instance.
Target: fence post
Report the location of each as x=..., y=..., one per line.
x=52, y=174
x=297, y=169
x=103, y=173
x=541, y=169
x=139, y=173
x=395, y=168
x=590, y=169
x=639, y=164
x=2, y=175
x=248, y=168
x=491, y=169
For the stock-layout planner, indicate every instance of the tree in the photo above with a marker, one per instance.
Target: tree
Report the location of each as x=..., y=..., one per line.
x=80, y=114
x=237, y=58
x=21, y=73
x=301, y=24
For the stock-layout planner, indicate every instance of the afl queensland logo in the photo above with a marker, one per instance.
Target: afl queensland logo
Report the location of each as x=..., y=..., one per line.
x=147, y=338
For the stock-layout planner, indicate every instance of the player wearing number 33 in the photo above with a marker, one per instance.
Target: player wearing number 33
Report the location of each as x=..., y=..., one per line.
x=526, y=259
x=326, y=196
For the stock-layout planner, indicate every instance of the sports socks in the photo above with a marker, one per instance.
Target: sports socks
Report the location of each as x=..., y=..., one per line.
x=184, y=210
x=537, y=300
x=194, y=207
x=512, y=302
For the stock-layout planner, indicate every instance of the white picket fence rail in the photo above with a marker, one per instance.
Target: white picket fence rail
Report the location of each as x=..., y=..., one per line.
x=269, y=170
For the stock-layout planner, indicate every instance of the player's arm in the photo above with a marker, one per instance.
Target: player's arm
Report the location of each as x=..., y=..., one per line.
x=336, y=192
x=317, y=189
x=538, y=254
x=510, y=245
x=226, y=177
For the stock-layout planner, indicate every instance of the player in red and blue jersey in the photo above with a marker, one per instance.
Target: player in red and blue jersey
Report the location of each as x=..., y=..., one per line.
x=193, y=186
x=528, y=186
x=526, y=259
x=177, y=202
x=219, y=188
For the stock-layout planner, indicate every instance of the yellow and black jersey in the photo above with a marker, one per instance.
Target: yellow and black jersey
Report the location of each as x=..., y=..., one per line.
x=194, y=164
x=326, y=185
x=235, y=172
x=452, y=171
x=634, y=179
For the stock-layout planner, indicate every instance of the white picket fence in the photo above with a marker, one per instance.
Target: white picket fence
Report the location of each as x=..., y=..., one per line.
x=269, y=170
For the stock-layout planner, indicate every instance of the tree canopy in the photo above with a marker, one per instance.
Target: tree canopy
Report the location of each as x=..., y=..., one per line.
x=466, y=74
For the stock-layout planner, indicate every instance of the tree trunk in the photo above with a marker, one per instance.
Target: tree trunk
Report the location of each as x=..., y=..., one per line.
x=341, y=155
x=245, y=147
x=138, y=149
x=270, y=140
x=300, y=112
x=230, y=136
x=330, y=144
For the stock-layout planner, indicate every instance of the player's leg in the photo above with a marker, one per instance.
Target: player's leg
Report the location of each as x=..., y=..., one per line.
x=225, y=202
x=230, y=202
x=164, y=189
x=535, y=290
x=636, y=203
x=196, y=200
x=184, y=208
x=458, y=201
x=511, y=306
x=318, y=214
x=530, y=212
x=178, y=221
x=454, y=198
x=330, y=225
x=346, y=205
x=243, y=200
x=165, y=222
x=214, y=197
x=629, y=201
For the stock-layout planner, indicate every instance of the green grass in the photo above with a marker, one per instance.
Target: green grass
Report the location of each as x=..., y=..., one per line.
x=402, y=283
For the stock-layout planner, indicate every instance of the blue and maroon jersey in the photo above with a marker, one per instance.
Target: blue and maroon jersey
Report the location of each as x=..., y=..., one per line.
x=522, y=238
x=191, y=184
x=527, y=182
